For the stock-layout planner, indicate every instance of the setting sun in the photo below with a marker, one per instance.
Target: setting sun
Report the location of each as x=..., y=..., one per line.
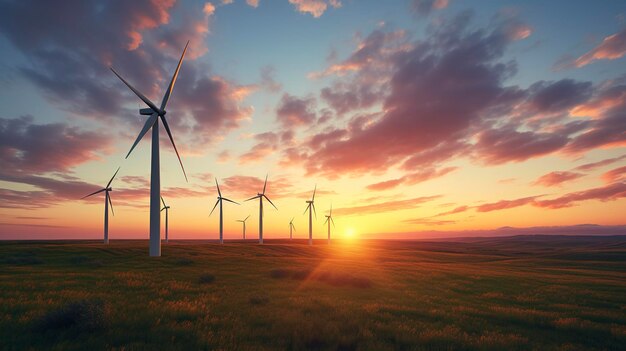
x=349, y=234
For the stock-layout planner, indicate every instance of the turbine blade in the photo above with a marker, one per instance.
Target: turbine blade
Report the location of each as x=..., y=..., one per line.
x=314, y=212
x=146, y=127
x=217, y=202
x=219, y=193
x=229, y=200
x=307, y=208
x=325, y=220
x=314, y=189
x=331, y=210
x=94, y=193
x=162, y=209
x=264, y=184
x=268, y=199
x=252, y=198
x=333, y=221
x=139, y=94
x=246, y=218
x=169, y=134
x=110, y=181
x=110, y=203
x=169, y=90
x=163, y=201
x=294, y=227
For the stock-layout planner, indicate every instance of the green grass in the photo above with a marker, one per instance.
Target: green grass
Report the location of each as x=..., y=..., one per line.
x=522, y=293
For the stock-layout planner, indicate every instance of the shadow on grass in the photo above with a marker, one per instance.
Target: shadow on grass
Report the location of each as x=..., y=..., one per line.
x=22, y=259
x=82, y=316
x=206, y=278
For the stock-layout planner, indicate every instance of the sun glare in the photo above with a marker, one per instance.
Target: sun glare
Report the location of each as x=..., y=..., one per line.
x=349, y=234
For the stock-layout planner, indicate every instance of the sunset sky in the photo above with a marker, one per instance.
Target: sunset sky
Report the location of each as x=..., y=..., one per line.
x=414, y=118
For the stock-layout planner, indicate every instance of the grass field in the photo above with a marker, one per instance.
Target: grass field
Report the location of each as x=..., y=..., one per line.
x=519, y=293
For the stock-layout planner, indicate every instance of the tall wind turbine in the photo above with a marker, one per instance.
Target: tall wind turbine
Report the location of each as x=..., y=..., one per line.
x=292, y=228
x=329, y=218
x=166, y=208
x=244, y=226
x=155, y=178
x=219, y=201
x=311, y=205
x=107, y=202
x=260, y=196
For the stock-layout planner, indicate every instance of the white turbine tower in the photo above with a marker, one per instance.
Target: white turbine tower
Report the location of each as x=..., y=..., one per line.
x=311, y=205
x=329, y=218
x=219, y=201
x=155, y=178
x=166, y=208
x=244, y=226
x=107, y=202
x=292, y=228
x=260, y=196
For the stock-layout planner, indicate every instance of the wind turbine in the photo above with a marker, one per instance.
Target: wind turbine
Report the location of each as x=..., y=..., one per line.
x=155, y=178
x=260, y=196
x=166, y=208
x=219, y=201
x=244, y=226
x=107, y=202
x=329, y=218
x=292, y=228
x=311, y=205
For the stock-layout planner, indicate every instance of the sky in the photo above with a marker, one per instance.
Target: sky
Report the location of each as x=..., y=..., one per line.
x=414, y=119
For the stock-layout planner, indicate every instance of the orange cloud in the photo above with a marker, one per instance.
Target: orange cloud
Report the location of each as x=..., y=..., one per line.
x=611, y=48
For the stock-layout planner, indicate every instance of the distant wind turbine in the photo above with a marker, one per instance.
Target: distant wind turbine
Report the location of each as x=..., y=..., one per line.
x=260, y=196
x=244, y=226
x=166, y=208
x=292, y=228
x=329, y=218
x=219, y=201
x=311, y=205
x=107, y=202
x=155, y=178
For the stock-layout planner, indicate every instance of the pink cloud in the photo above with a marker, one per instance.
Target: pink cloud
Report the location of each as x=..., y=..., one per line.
x=293, y=111
x=615, y=175
x=388, y=206
x=411, y=178
x=611, y=48
x=606, y=193
x=506, y=204
x=315, y=8
x=557, y=178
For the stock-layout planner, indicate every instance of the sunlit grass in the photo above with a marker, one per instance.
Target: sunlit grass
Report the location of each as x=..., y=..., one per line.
x=350, y=295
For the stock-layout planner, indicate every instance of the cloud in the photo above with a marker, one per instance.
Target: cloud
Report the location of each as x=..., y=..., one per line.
x=253, y=3
x=458, y=209
x=608, y=192
x=506, y=204
x=142, y=39
x=267, y=143
x=411, y=178
x=27, y=147
x=268, y=81
x=594, y=165
x=429, y=221
x=315, y=8
x=207, y=107
x=441, y=92
x=615, y=175
x=559, y=96
x=497, y=146
x=611, y=48
x=557, y=178
x=381, y=207
x=425, y=7
x=293, y=111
